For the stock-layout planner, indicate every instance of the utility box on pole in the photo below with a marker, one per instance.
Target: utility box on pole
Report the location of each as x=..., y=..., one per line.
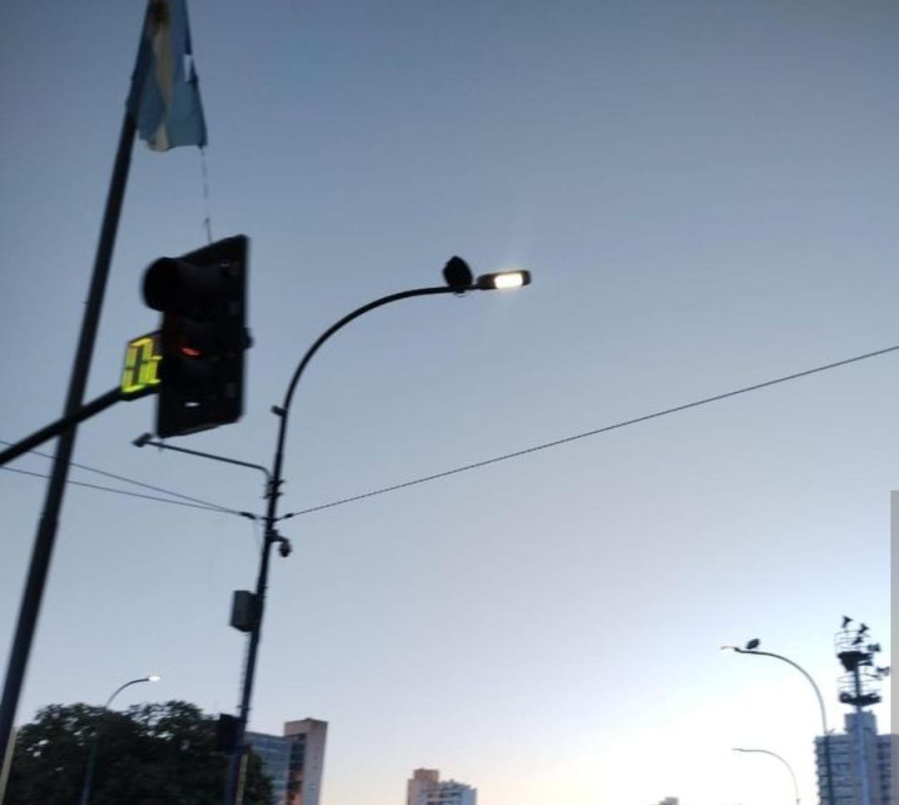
x=243, y=610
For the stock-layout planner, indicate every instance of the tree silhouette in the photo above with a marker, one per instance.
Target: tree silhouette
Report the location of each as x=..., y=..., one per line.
x=152, y=754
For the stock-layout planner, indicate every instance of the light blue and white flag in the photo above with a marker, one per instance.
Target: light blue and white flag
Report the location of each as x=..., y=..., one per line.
x=165, y=99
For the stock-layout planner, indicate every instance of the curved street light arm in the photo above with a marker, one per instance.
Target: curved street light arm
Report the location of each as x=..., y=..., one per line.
x=271, y=536
x=95, y=742
x=338, y=325
x=119, y=689
x=801, y=670
x=775, y=755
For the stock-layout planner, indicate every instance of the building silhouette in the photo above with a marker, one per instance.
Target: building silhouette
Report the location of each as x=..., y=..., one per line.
x=294, y=761
x=858, y=774
x=426, y=788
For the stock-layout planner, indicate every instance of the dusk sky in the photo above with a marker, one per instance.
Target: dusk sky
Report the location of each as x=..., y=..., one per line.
x=705, y=192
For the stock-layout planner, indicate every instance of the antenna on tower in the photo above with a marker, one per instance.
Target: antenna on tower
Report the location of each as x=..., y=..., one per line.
x=859, y=686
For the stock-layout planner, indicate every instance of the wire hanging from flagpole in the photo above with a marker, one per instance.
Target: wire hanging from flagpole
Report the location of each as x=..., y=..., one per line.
x=207, y=220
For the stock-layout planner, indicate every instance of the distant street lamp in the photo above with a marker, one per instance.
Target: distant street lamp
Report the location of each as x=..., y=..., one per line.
x=459, y=280
x=775, y=755
x=752, y=648
x=95, y=743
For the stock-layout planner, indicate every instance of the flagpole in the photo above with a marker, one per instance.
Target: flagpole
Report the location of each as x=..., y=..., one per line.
x=42, y=549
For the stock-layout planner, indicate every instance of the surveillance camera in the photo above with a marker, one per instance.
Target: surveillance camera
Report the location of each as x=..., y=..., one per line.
x=285, y=548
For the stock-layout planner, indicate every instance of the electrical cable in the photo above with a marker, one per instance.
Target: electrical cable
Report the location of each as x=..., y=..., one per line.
x=212, y=507
x=124, y=479
x=196, y=503
x=606, y=429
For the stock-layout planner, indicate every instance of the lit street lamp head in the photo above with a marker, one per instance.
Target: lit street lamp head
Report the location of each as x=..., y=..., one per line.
x=153, y=678
x=503, y=280
x=458, y=276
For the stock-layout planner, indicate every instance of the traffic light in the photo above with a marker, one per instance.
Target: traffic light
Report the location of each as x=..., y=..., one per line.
x=226, y=733
x=202, y=298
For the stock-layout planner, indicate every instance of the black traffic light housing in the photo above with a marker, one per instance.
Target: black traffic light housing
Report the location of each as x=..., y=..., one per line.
x=226, y=733
x=202, y=298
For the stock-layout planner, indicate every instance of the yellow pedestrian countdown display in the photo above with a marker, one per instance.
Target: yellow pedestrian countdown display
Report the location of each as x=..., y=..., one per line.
x=141, y=373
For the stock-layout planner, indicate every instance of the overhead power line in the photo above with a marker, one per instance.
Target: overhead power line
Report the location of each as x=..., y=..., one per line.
x=206, y=506
x=202, y=504
x=185, y=500
x=596, y=432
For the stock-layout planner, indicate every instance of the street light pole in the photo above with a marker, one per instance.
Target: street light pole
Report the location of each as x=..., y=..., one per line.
x=827, y=758
x=459, y=278
x=95, y=743
x=775, y=755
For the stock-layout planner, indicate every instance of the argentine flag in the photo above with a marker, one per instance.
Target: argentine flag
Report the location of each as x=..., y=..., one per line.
x=164, y=99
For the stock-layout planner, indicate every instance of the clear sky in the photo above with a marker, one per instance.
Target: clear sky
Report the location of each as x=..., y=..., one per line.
x=705, y=192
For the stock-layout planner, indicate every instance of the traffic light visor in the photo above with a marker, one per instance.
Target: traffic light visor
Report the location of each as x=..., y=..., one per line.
x=187, y=289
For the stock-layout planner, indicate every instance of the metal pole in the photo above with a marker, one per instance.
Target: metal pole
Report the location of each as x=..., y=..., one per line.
x=272, y=536
x=95, y=406
x=860, y=753
x=6, y=766
x=45, y=538
x=827, y=757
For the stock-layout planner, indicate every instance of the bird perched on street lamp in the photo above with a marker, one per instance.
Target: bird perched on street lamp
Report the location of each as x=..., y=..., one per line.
x=458, y=275
x=753, y=644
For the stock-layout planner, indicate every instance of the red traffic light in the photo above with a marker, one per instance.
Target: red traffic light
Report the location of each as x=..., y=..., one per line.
x=202, y=298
